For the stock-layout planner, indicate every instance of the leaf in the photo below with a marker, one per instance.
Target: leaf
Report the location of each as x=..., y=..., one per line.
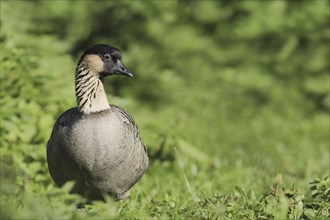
x=193, y=151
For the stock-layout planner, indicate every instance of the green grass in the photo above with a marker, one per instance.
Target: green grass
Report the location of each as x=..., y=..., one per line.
x=231, y=99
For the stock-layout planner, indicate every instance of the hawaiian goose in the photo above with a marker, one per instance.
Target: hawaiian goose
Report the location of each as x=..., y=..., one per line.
x=97, y=144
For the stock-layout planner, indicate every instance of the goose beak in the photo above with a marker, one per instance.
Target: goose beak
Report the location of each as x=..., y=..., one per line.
x=120, y=69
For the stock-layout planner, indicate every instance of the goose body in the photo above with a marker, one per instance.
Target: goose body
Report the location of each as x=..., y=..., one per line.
x=96, y=144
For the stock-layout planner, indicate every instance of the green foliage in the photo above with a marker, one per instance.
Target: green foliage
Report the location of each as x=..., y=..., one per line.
x=226, y=94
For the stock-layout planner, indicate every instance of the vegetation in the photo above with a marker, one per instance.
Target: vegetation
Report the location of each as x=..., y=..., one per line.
x=231, y=98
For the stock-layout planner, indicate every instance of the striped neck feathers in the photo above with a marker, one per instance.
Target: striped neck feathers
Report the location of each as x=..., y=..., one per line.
x=90, y=93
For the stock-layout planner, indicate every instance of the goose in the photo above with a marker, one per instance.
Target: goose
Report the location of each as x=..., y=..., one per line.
x=97, y=144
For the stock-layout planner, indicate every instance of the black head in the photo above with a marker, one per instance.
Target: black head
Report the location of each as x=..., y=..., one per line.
x=105, y=60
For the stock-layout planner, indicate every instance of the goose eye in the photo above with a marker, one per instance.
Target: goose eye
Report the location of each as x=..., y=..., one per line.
x=107, y=57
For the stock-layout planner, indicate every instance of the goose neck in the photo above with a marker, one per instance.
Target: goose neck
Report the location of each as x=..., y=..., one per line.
x=90, y=93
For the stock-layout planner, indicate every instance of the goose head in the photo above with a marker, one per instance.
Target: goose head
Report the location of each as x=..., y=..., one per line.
x=103, y=60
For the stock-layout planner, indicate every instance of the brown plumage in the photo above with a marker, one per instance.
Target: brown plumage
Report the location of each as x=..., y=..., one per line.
x=97, y=144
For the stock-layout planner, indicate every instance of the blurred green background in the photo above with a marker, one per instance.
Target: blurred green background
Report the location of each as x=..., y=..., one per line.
x=228, y=96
